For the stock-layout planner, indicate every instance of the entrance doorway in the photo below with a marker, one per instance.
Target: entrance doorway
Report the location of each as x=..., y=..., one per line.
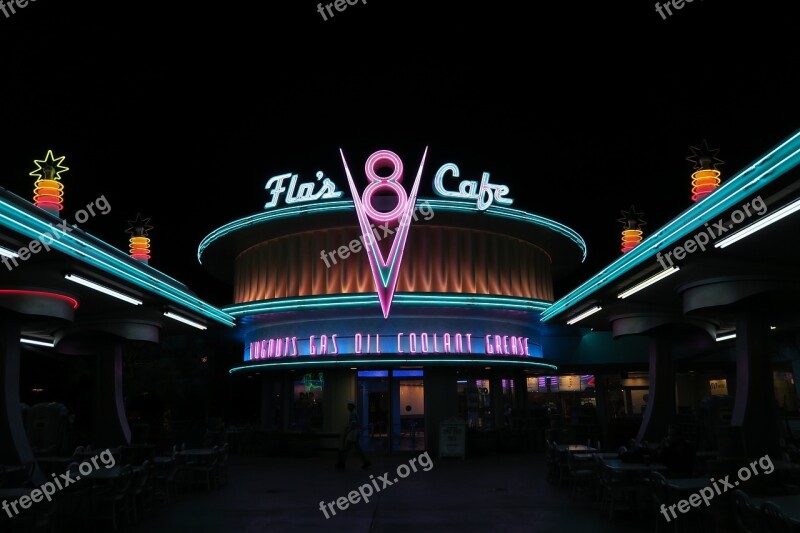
x=409, y=411
x=391, y=407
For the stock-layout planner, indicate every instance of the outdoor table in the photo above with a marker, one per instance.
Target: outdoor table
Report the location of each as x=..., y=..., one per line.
x=789, y=504
x=581, y=448
x=162, y=459
x=688, y=485
x=50, y=465
x=197, y=452
x=619, y=466
x=104, y=474
x=14, y=493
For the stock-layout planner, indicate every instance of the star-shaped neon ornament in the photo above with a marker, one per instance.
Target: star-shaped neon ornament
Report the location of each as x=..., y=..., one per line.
x=139, y=227
x=49, y=168
x=631, y=219
x=704, y=158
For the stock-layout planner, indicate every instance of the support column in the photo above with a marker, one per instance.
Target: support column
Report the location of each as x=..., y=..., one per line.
x=110, y=425
x=755, y=410
x=601, y=395
x=15, y=449
x=660, y=410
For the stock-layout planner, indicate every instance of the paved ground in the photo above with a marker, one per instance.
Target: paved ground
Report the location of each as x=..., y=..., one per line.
x=494, y=494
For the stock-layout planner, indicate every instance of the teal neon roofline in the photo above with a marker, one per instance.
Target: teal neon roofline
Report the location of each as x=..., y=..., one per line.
x=347, y=205
x=401, y=298
x=414, y=361
x=765, y=170
x=21, y=216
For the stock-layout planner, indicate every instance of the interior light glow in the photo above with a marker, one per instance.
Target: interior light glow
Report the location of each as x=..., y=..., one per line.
x=185, y=320
x=583, y=315
x=102, y=288
x=649, y=281
x=760, y=224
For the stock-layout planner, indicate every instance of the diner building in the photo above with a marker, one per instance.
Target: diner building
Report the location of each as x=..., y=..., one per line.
x=420, y=300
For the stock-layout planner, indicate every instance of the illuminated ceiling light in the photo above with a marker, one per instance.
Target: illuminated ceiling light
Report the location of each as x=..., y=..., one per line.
x=761, y=224
x=36, y=342
x=726, y=337
x=583, y=315
x=139, y=246
x=48, y=192
x=102, y=288
x=649, y=281
x=705, y=179
x=632, y=223
x=185, y=320
x=5, y=252
x=773, y=327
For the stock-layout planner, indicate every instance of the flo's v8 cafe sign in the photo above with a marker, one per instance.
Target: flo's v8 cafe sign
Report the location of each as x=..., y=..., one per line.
x=385, y=267
x=286, y=188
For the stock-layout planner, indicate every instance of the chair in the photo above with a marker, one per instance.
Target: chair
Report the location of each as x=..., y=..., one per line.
x=747, y=515
x=183, y=472
x=552, y=466
x=222, y=466
x=773, y=520
x=662, y=498
x=164, y=484
x=562, y=468
x=619, y=493
x=204, y=471
x=582, y=474
x=74, y=504
x=142, y=490
x=110, y=503
x=39, y=517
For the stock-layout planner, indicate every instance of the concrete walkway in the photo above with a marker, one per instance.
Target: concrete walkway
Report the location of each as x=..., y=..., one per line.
x=494, y=494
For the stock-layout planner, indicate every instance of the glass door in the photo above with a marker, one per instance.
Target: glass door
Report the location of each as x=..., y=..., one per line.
x=408, y=410
x=373, y=409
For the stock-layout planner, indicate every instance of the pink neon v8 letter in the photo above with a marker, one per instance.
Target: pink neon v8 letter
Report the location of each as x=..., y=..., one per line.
x=384, y=270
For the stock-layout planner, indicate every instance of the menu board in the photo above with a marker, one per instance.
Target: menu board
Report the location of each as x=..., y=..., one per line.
x=719, y=387
x=452, y=433
x=569, y=383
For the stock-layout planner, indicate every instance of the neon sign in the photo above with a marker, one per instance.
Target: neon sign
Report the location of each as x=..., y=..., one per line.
x=414, y=342
x=384, y=270
x=485, y=193
x=304, y=193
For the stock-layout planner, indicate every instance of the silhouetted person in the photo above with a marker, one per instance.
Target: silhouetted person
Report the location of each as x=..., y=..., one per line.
x=351, y=434
x=677, y=453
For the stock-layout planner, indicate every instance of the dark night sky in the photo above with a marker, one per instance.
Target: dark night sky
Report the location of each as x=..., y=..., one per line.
x=183, y=112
